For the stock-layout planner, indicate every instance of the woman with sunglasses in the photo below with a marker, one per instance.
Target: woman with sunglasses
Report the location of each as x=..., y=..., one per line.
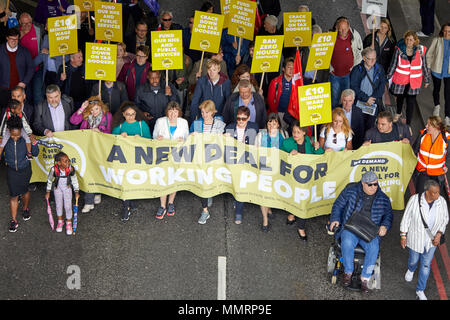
x=93, y=115
x=270, y=137
x=244, y=131
x=298, y=144
x=129, y=122
x=336, y=135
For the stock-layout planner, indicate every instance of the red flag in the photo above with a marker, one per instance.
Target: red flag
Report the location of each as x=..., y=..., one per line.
x=297, y=81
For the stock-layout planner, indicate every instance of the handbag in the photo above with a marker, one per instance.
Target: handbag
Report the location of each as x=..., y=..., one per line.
x=442, y=241
x=361, y=226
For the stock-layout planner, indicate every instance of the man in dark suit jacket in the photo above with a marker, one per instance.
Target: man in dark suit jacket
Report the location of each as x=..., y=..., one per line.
x=140, y=37
x=61, y=106
x=354, y=116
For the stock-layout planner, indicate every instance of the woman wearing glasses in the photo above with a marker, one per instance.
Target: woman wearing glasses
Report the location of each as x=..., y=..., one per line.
x=129, y=122
x=337, y=135
x=93, y=115
x=298, y=144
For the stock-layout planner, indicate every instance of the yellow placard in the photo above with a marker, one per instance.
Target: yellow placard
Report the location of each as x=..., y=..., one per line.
x=62, y=35
x=242, y=19
x=297, y=29
x=267, y=54
x=225, y=10
x=101, y=61
x=167, y=50
x=206, y=32
x=322, y=47
x=315, y=104
x=209, y=164
x=108, y=21
x=84, y=5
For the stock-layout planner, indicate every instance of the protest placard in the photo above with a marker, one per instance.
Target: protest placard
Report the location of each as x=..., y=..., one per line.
x=267, y=54
x=297, y=29
x=225, y=10
x=321, y=51
x=62, y=35
x=242, y=19
x=108, y=21
x=375, y=9
x=101, y=61
x=314, y=104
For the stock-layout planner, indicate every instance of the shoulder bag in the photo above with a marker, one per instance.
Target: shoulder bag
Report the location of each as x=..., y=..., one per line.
x=428, y=231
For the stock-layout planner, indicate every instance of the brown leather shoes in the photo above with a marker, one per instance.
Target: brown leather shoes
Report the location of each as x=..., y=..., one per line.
x=347, y=279
x=365, y=286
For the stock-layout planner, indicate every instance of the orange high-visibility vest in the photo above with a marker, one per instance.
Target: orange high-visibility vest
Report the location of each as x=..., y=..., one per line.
x=431, y=156
x=410, y=72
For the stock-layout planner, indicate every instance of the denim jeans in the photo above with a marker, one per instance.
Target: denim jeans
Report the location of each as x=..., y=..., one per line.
x=425, y=266
x=349, y=241
x=338, y=84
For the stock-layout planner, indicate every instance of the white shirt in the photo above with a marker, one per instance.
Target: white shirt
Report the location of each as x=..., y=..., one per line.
x=341, y=141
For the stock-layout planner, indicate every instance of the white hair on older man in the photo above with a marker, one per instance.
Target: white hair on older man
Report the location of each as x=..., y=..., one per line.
x=272, y=20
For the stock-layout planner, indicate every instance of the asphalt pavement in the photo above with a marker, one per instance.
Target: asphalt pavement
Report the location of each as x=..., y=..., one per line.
x=176, y=258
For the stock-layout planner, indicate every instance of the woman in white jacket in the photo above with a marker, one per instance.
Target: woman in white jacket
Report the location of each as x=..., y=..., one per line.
x=171, y=127
x=420, y=240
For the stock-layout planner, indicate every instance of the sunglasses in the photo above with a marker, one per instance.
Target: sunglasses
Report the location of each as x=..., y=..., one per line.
x=372, y=184
x=335, y=138
x=93, y=101
x=170, y=19
x=241, y=118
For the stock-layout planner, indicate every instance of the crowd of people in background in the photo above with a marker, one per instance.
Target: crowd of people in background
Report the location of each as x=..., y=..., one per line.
x=220, y=96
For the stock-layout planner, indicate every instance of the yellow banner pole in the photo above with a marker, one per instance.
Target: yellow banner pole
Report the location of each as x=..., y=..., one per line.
x=167, y=77
x=100, y=89
x=262, y=80
x=201, y=62
x=64, y=63
x=239, y=46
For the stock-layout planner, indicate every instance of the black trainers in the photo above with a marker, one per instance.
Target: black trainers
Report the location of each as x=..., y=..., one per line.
x=26, y=214
x=13, y=226
x=29, y=156
x=126, y=214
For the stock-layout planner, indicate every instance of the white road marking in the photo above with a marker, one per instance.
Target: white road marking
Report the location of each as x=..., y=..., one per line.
x=222, y=279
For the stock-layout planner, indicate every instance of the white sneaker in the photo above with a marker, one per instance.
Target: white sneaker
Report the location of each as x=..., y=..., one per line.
x=87, y=208
x=421, y=34
x=447, y=121
x=421, y=295
x=97, y=198
x=409, y=276
x=436, y=110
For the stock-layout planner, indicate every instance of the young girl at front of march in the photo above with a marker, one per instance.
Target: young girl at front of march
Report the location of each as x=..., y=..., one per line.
x=62, y=178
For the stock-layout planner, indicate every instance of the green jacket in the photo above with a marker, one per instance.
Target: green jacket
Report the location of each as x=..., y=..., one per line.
x=290, y=144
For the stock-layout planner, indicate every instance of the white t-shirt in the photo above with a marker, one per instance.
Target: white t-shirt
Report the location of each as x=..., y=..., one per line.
x=341, y=142
x=240, y=134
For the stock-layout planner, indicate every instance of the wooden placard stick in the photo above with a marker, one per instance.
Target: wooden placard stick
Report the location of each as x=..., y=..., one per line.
x=262, y=80
x=167, y=77
x=6, y=9
x=201, y=62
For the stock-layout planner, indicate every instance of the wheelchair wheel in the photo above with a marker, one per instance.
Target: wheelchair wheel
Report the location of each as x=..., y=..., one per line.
x=331, y=264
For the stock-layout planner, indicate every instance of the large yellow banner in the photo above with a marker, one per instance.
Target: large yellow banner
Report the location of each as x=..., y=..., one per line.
x=108, y=21
x=207, y=165
x=206, y=32
x=101, y=61
x=297, y=29
x=62, y=35
x=167, y=50
x=267, y=54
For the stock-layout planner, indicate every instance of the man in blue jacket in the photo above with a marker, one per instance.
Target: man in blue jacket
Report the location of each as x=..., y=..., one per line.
x=368, y=81
x=368, y=199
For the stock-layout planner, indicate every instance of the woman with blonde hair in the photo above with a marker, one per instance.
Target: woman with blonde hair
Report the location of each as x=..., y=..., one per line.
x=336, y=135
x=384, y=43
x=407, y=72
x=122, y=57
x=94, y=115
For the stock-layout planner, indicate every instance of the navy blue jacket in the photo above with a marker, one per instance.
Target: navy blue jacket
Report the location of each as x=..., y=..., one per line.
x=16, y=154
x=251, y=131
x=379, y=79
x=343, y=207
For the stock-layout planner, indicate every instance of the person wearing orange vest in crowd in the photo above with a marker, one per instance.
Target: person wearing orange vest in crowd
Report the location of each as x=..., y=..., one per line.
x=408, y=69
x=431, y=150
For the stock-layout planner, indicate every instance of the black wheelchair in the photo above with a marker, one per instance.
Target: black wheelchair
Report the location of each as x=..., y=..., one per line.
x=336, y=267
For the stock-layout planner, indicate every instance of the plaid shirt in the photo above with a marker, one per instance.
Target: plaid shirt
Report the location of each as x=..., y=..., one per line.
x=400, y=88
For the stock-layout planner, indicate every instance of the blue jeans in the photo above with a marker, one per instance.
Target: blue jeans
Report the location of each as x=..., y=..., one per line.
x=425, y=266
x=349, y=241
x=338, y=84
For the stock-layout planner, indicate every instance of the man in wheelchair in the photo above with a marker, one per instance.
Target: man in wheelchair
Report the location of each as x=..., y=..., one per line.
x=362, y=214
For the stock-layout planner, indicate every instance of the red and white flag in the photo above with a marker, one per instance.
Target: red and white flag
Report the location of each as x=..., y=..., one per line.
x=297, y=81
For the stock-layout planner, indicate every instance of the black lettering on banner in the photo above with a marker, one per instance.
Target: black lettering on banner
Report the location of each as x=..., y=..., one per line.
x=139, y=154
x=263, y=164
x=285, y=167
x=115, y=154
x=321, y=170
x=247, y=157
x=230, y=155
x=162, y=154
x=212, y=152
x=297, y=173
x=183, y=151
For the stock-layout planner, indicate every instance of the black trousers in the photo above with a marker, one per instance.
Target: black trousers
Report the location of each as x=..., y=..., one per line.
x=427, y=15
x=437, y=90
x=410, y=103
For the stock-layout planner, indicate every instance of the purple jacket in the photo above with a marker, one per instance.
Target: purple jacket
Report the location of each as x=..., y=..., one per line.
x=105, y=124
x=48, y=9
